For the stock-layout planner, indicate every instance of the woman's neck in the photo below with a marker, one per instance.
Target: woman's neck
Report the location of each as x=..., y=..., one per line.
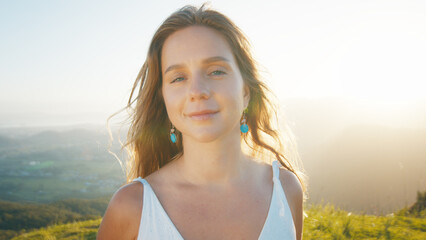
x=220, y=163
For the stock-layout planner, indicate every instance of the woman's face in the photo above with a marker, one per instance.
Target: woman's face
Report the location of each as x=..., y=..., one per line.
x=202, y=86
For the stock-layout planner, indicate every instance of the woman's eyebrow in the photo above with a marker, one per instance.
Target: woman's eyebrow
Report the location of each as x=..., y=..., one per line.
x=205, y=61
x=215, y=59
x=172, y=67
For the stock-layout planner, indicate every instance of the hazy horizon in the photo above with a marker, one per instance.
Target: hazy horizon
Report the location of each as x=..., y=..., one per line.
x=399, y=115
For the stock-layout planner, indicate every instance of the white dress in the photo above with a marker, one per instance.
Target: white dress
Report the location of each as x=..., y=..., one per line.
x=155, y=224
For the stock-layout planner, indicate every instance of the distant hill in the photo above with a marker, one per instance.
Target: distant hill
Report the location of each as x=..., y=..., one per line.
x=16, y=217
x=6, y=142
x=51, y=165
x=67, y=137
x=49, y=138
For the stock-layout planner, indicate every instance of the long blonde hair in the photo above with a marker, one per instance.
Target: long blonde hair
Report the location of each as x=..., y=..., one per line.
x=148, y=143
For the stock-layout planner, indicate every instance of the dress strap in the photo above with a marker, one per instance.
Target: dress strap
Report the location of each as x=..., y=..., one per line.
x=276, y=170
x=139, y=179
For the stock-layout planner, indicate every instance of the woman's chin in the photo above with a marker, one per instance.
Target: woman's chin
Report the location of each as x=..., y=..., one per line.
x=210, y=134
x=205, y=137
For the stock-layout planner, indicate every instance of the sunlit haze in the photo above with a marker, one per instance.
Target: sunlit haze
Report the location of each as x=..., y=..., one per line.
x=75, y=61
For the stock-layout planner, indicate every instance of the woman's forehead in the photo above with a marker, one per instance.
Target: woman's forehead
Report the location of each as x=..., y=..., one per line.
x=194, y=44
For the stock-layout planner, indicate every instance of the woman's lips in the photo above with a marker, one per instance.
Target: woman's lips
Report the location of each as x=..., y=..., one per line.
x=203, y=115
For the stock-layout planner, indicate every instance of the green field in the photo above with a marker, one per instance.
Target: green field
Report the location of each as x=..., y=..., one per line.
x=77, y=230
x=327, y=222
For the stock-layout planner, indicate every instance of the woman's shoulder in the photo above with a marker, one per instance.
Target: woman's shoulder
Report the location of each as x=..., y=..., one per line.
x=294, y=194
x=128, y=196
x=292, y=188
x=122, y=217
x=290, y=182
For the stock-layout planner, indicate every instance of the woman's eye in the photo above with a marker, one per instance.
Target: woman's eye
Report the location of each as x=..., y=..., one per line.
x=217, y=72
x=177, y=79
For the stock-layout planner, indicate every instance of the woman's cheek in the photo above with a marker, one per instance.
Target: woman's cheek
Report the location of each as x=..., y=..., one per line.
x=177, y=102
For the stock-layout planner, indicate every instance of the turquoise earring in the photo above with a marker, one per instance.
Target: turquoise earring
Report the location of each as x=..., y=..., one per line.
x=244, y=127
x=172, y=134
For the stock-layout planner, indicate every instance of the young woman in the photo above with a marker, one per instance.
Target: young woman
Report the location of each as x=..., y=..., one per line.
x=200, y=141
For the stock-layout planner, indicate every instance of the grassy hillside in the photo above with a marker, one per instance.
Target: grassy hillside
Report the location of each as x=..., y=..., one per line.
x=322, y=222
x=16, y=218
x=77, y=230
x=327, y=222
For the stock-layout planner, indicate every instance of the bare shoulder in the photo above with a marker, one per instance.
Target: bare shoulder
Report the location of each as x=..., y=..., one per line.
x=122, y=217
x=294, y=194
x=291, y=184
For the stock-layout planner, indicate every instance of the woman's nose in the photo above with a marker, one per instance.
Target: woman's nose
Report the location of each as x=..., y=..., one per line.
x=199, y=88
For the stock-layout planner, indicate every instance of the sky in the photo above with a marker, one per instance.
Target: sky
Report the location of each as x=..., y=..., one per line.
x=77, y=60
